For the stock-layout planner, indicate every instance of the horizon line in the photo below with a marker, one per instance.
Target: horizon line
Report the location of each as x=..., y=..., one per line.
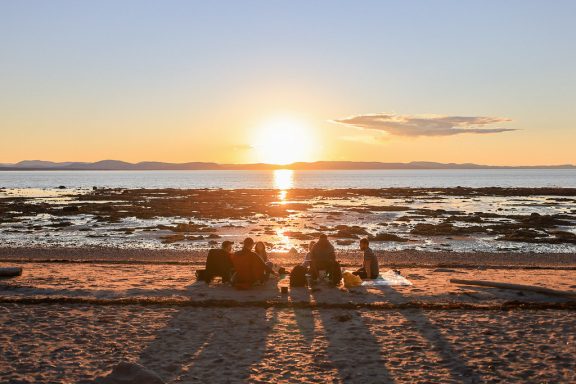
x=109, y=164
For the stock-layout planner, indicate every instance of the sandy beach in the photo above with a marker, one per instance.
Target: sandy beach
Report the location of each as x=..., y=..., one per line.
x=77, y=313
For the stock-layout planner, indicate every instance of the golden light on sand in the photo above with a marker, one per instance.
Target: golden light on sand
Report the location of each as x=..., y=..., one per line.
x=284, y=141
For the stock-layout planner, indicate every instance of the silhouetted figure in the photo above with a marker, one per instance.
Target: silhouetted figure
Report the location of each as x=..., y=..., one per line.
x=219, y=263
x=260, y=250
x=322, y=257
x=370, y=268
x=249, y=268
x=308, y=258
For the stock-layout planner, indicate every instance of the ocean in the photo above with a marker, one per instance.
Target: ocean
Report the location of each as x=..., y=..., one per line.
x=285, y=179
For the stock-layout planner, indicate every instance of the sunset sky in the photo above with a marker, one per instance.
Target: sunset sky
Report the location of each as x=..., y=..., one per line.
x=491, y=82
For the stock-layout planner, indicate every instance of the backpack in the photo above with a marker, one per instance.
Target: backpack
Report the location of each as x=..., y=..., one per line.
x=201, y=275
x=336, y=274
x=298, y=276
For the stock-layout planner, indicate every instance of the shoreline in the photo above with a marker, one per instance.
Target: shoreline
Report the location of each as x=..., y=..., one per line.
x=392, y=259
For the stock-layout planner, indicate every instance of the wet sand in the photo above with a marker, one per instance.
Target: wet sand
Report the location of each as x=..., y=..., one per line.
x=71, y=322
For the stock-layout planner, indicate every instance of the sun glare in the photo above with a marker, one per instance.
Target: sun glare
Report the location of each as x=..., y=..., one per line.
x=283, y=141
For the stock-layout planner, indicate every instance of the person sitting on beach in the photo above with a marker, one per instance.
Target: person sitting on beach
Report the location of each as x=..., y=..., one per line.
x=308, y=257
x=322, y=257
x=370, y=268
x=260, y=250
x=249, y=268
x=219, y=263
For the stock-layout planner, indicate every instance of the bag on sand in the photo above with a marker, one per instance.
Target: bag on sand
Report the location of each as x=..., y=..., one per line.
x=201, y=275
x=298, y=276
x=351, y=280
x=336, y=273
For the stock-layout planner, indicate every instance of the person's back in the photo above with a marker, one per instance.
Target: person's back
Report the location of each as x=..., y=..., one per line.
x=322, y=257
x=219, y=263
x=248, y=266
x=323, y=251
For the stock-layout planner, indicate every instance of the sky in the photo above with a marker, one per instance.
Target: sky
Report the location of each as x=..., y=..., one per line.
x=490, y=82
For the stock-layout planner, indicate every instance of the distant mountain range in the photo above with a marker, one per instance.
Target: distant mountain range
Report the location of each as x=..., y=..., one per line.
x=116, y=165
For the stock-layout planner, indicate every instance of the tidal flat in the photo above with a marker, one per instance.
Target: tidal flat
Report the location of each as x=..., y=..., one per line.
x=430, y=219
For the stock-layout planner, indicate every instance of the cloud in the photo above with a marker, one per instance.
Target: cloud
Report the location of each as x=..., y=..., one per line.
x=424, y=125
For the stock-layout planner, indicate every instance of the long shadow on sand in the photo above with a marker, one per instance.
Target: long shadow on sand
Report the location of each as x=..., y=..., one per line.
x=452, y=361
x=303, y=314
x=204, y=345
x=365, y=366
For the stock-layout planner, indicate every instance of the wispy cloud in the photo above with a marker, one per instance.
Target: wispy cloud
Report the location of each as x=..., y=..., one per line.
x=424, y=125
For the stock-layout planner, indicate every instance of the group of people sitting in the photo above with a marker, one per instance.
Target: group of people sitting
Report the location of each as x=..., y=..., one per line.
x=250, y=265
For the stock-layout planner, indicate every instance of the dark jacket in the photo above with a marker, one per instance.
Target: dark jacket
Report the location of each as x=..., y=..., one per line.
x=218, y=263
x=323, y=251
x=249, y=268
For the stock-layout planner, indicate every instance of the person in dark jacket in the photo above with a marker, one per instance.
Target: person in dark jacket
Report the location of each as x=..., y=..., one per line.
x=249, y=268
x=219, y=263
x=322, y=256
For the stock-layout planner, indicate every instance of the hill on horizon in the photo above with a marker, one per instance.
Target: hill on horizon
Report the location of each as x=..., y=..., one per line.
x=118, y=165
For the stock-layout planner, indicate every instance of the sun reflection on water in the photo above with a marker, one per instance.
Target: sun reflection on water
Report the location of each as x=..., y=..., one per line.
x=283, y=180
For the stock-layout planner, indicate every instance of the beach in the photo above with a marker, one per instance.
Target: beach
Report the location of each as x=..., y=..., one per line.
x=75, y=314
x=109, y=280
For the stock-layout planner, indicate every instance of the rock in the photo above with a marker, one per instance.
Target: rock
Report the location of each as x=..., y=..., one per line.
x=389, y=208
x=70, y=209
x=130, y=373
x=444, y=229
x=387, y=237
x=522, y=235
x=350, y=232
x=61, y=224
x=10, y=271
x=297, y=235
x=61, y=187
x=538, y=220
x=172, y=238
x=564, y=236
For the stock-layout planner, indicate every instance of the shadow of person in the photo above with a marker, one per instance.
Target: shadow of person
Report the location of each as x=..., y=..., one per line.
x=352, y=348
x=209, y=344
x=303, y=314
x=451, y=359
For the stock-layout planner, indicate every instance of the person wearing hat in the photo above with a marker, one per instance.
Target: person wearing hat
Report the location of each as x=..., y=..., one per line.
x=249, y=268
x=219, y=263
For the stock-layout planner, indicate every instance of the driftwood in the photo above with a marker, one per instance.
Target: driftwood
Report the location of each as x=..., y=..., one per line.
x=10, y=271
x=518, y=287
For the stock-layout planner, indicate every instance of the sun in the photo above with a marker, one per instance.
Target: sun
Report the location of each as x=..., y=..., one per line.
x=283, y=141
